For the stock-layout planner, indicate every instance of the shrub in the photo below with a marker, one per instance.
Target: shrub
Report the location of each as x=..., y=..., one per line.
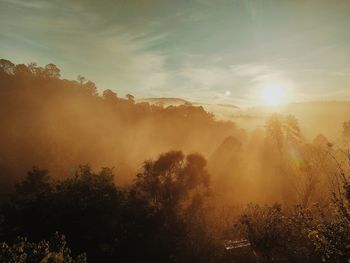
x=23, y=251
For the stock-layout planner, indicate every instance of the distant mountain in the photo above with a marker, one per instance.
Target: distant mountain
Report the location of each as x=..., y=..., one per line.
x=315, y=117
x=221, y=111
x=229, y=105
x=165, y=101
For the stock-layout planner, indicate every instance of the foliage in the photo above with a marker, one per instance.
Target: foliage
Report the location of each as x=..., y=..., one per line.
x=175, y=188
x=316, y=234
x=276, y=237
x=162, y=215
x=86, y=208
x=23, y=251
x=283, y=131
x=173, y=183
x=67, y=123
x=168, y=213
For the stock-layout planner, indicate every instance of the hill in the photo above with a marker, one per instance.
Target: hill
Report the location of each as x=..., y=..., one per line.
x=59, y=124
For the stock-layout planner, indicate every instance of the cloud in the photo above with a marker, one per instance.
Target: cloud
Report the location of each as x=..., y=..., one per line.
x=249, y=70
x=199, y=51
x=81, y=42
x=208, y=76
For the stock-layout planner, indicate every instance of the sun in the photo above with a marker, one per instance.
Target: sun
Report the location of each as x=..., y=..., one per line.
x=273, y=95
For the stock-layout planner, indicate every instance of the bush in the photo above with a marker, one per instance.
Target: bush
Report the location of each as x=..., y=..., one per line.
x=316, y=234
x=162, y=217
x=276, y=237
x=23, y=251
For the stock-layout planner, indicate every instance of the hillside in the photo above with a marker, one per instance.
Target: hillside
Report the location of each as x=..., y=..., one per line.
x=221, y=111
x=59, y=124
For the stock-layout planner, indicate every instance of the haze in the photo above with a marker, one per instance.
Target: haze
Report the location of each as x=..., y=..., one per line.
x=175, y=131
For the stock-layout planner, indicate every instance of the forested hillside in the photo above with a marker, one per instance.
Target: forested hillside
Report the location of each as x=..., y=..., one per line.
x=59, y=124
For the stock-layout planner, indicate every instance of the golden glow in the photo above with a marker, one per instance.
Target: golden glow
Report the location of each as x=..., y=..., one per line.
x=273, y=95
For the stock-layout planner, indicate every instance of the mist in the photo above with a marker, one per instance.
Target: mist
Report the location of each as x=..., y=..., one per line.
x=168, y=164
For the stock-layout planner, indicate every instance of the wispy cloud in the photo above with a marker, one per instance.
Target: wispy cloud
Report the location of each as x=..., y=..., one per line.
x=200, y=51
x=112, y=55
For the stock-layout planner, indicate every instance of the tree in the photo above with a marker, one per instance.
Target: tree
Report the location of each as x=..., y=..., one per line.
x=21, y=70
x=174, y=188
x=274, y=128
x=51, y=71
x=283, y=131
x=292, y=130
x=86, y=208
x=346, y=132
x=33, y=67
x=321, y=141
x=109, y=95
x=167, y=182
x=81, y=79
x=36, y=182
x=7, y=66
x=276, y=236
x=130, y=98
x=91, y=88
x=225, y=164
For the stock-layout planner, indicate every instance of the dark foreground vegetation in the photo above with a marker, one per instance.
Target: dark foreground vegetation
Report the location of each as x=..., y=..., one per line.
x=174, y=207
x=160, y=218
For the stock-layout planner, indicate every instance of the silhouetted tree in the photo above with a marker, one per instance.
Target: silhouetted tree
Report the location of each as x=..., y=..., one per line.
x=274, y=128
x=81, y=79
x=292, y=130
x=174, y=188
x=91, y=88
x=162, y=215
x=130, y=98
x=22, y=70
x=109, y=95
x=36, y=182
x=7, y=66
x=85, y=208
x=52, y=71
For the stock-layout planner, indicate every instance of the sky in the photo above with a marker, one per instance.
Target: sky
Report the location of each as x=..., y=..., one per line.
x=223, y=51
